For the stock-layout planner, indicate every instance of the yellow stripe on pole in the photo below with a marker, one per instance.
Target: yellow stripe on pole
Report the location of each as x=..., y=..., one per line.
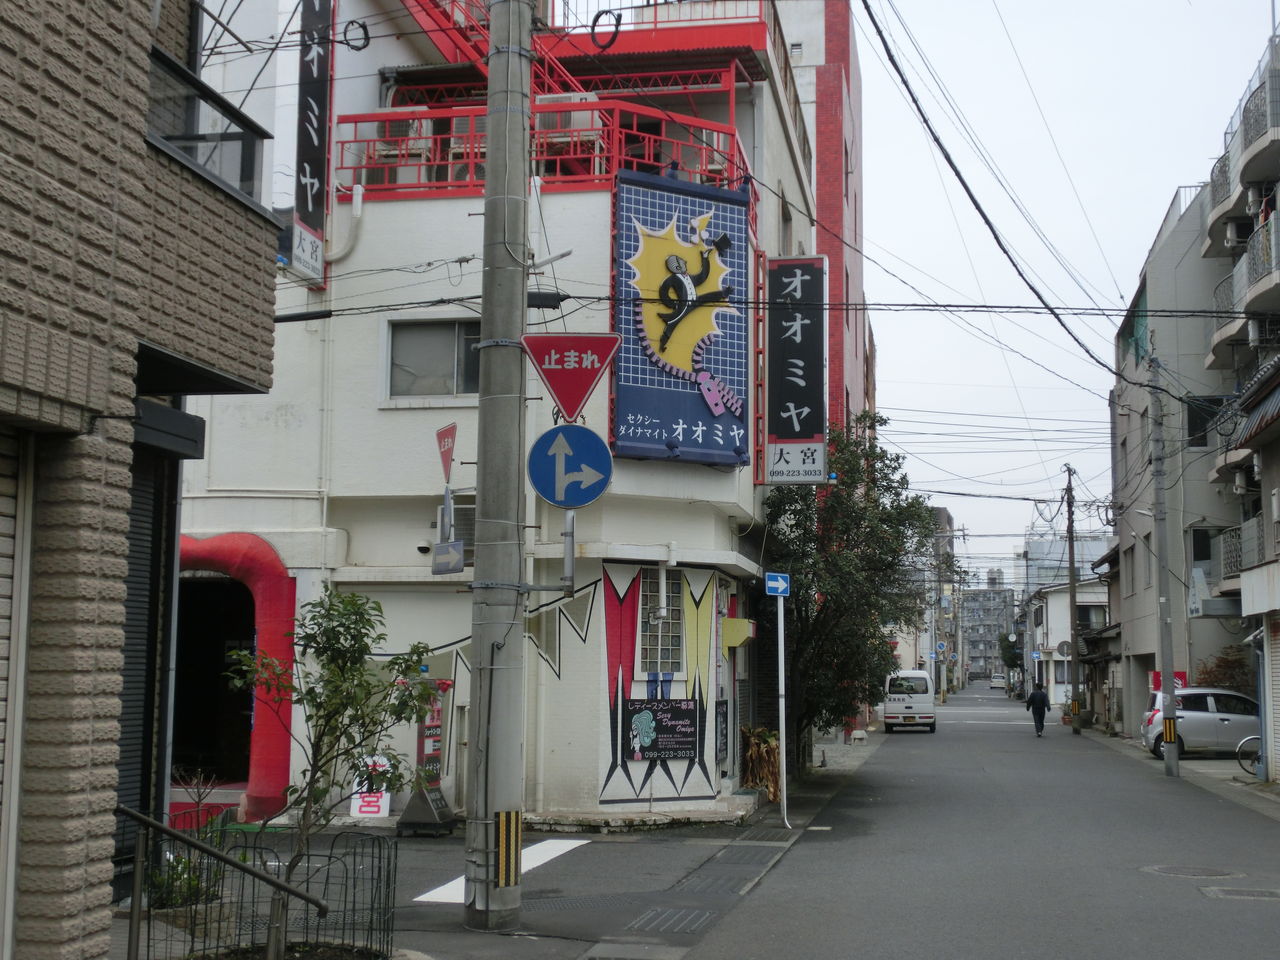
x=509, y=830
x=1170, y=730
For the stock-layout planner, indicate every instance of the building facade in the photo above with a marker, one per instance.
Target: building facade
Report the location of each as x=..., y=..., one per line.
x=1238, y=242
x=986, y=616
x=139, y=270
x=1163, y=340
x=683, y=136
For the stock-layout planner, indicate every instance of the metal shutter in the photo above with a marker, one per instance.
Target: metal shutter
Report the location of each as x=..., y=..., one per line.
x=146, y=616
x=8, y=532
x=9, y=667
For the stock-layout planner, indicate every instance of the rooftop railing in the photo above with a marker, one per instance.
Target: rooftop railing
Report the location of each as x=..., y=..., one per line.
x=413, y=153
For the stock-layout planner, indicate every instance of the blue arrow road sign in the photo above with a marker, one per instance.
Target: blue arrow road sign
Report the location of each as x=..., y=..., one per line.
x=449, y=557
x=777, y=584
x=569, y=466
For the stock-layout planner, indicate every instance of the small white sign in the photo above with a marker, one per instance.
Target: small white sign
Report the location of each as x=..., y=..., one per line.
x=796, y=462
x=308, y=254
x=374, y=803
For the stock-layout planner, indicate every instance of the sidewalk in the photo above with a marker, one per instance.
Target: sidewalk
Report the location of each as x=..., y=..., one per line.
x=647, y=895
x=1221, y=776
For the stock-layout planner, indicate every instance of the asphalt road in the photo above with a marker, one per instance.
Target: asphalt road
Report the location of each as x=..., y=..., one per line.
x=982, y=841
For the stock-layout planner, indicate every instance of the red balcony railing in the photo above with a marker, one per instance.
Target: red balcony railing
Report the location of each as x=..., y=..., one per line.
x=427, y=153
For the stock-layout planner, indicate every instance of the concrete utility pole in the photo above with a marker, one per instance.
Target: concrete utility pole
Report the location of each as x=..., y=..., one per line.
x=1167, y=697
x=1073, y=627
x=496, y=756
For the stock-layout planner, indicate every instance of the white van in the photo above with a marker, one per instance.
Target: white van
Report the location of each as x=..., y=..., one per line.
x=908, y=701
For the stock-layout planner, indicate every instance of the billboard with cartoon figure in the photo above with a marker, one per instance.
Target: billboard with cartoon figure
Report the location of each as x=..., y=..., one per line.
x=681, y=255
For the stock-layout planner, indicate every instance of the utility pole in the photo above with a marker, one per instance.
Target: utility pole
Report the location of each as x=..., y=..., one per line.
x=1165, y=623
x=495, y=798
x=1073, y=625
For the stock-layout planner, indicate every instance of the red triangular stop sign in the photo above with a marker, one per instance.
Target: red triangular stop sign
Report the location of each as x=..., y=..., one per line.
x=571, y=364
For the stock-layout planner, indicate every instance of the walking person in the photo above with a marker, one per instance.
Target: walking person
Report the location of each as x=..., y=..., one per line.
x=1038, y=704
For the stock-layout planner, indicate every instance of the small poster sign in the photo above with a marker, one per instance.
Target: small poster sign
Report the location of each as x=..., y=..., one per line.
x=662, y=730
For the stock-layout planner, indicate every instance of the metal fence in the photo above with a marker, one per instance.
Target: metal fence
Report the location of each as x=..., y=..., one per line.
x=221, y=891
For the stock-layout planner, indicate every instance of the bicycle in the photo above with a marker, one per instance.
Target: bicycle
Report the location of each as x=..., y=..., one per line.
x=1248, y=753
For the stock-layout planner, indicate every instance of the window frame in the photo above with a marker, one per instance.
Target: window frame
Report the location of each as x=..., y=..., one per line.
x=454, y=399
x=648, y=602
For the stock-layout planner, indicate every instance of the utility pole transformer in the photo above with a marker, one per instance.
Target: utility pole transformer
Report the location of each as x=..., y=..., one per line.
x=495, y=799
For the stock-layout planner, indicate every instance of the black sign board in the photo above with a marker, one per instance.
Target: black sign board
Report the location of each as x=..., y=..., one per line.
x=661, y=730
x=722, y=730
x=311, y=176
x=796, y=371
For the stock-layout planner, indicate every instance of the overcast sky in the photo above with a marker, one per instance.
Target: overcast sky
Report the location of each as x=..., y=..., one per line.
x=1093, y=113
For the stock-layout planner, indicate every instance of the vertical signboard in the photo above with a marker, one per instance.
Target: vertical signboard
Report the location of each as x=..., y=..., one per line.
x=796, y=371
x=680, y=376
x=311, y=176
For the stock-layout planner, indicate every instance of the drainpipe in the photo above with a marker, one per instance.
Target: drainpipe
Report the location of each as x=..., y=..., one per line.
x=663, y=566
x=349, y=244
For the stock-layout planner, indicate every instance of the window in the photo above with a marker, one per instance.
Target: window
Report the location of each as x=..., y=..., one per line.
x=1193, y=702
x=1231, y=703
x=435, y=359
x=661, y=640
x=1148, y=559
x=908, y=685
x=1201, y=412
x=1126, y=572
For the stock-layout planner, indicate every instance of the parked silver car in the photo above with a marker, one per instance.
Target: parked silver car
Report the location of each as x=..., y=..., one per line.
x=1209, y=719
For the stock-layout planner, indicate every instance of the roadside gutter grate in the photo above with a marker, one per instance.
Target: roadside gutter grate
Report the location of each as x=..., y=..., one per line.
x=671, y=920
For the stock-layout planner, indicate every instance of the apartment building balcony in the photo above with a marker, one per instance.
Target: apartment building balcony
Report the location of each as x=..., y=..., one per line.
x=1229, y=297
x=192, y=123
x=1227, y=199
x=1251, y=155
x=416, y=153
x=1263, y=292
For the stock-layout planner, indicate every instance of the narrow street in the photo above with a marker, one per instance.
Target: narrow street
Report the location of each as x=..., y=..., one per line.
x=984, y=841
x=977, y=841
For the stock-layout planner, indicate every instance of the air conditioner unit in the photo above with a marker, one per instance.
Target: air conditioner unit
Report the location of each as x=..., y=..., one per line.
x=569, y=120
x=1255, y=334
x=1238, y=233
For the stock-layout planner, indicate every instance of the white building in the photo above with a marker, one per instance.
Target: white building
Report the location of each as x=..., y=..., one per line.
x=338, y=477
x=1049, y=630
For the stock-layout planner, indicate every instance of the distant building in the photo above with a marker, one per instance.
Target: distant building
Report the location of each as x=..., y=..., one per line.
x=986, y=615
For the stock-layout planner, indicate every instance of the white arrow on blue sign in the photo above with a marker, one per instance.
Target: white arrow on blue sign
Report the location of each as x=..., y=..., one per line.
x=777, y=584
x=570, y=466
x=449, y=557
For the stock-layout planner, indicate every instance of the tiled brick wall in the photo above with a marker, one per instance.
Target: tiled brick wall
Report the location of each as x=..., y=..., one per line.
x=103, y=241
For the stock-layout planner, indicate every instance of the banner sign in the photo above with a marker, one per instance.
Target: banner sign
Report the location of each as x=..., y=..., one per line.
x=661, y=730
x=681, y=375
x=796, y=365
x=311, y=169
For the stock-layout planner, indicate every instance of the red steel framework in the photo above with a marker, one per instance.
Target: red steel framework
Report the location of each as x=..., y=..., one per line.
x=412, y=153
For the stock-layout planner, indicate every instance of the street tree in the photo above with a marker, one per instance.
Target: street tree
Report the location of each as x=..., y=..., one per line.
x=861, y=555
x=349, y=703
x=1010, y=653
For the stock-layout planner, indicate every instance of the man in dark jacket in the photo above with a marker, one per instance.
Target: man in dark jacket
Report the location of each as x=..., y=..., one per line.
x=1038, y=704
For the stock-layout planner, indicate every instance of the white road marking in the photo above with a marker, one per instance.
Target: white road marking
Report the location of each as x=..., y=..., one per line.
x=530, y=857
